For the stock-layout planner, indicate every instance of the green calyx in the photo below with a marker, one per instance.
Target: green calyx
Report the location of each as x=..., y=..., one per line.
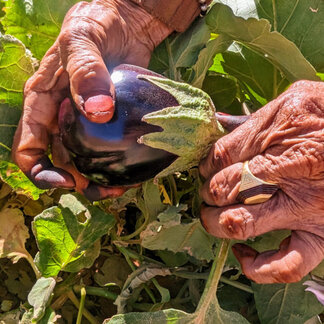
x=189, y=129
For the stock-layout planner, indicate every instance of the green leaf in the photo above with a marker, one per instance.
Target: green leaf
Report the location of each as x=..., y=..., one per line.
x=262, y=80
x=207, y=312
x=257, y=35
x=36, y=23
x=180, y=51
x=67, y=236
x=40, y=296
x=17, y=180
x=169, y=234
x=285, y=303
x=16, y=66
x=205, y=59
x=188, y=129
x=221, y=89
x=302, y=22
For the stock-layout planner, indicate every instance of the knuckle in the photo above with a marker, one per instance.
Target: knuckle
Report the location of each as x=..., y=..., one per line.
x=289, y=275
x=236, y=224
x=215, y=161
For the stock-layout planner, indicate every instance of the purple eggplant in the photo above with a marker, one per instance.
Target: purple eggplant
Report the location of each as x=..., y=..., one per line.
x=109, y=153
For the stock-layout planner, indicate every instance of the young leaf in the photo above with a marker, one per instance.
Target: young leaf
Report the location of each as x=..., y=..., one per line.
x=180, y=51
x=188, y=129
x=66, y=243
x=205, y=59
x=36, y=23
x=169, y=234
x=257, y=35
x=285, y=303
x=40, y=295
x=16, y=66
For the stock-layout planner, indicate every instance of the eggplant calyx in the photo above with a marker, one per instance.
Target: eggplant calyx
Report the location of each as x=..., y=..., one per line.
x=189, y=129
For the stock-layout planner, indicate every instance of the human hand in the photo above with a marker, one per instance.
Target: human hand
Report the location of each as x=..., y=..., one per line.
x=284, y=144
x=93, y=35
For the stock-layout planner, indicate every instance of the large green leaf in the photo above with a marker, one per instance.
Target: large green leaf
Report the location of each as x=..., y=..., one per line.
x=302, y=22
x=16, y=66
x=285, y=303
x=180, y=51
x=67, y=236
x=36, y=23
x=256, y=34
x=169, y=234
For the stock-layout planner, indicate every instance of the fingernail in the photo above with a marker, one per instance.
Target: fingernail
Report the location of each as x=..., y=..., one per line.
x=99, y=107
x=48, y=179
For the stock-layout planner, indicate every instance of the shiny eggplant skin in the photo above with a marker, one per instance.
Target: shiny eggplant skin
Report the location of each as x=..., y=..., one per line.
x=109, y=153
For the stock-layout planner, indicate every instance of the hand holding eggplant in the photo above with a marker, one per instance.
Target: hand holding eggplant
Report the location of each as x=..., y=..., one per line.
x=284, y=144
x=93, y=35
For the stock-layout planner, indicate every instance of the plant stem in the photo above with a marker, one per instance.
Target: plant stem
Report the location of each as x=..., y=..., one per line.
x=173, y=190
x=124, y=251
x=204, y=276
x=81, y=308
x=86, y=313
x=97, y=291
x=215, y=274
x=236, y=284
x=30, y=260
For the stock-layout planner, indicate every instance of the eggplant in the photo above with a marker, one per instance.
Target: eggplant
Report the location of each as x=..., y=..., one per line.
x=109, y=153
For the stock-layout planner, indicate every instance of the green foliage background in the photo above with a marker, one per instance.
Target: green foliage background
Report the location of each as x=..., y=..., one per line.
x=55, y=244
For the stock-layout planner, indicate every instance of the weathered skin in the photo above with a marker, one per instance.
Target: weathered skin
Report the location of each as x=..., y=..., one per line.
x=93, y=34
x=284, y=142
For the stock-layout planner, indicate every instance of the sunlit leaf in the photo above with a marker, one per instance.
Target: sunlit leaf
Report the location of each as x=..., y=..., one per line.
x=16, y=179
x=16, y=66
x=36, y=23
x=257, y=35
x=67, y=236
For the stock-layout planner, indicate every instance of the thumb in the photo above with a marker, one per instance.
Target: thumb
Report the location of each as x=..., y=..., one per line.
x=297, y=256
x=90, y=84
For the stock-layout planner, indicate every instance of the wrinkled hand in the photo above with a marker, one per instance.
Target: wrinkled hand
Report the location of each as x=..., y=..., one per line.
x=93, y=35
x=284, y=143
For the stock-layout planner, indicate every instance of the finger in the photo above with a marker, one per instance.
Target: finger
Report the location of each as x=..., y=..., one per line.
x=31, y=143
x=91, y=87
x=90, y=190
x=222, y=188
x=245, y=221
x=296, y=257
x=230, y=122
x=244, y=142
